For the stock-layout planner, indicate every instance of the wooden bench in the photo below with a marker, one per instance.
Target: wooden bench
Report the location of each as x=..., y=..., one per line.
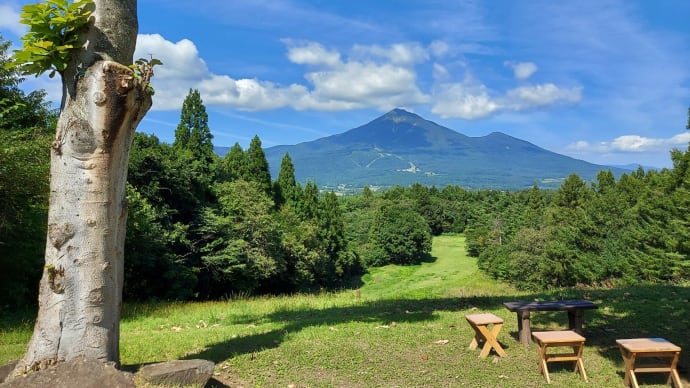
x=658, y=348
x=480, y=323
x=575, y=309
x=547, y=339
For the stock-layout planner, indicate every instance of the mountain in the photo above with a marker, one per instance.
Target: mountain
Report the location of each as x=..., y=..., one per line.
x=402, y=148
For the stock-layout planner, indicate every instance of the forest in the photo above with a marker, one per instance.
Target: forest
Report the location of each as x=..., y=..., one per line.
x=201, y=226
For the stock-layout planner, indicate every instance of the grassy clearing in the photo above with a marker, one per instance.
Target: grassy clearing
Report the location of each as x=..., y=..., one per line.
x=404, y=327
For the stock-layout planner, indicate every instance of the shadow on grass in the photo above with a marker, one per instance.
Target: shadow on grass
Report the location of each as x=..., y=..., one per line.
x=632, y=312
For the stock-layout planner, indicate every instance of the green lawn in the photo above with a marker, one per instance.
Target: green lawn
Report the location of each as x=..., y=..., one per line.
x=404, y=327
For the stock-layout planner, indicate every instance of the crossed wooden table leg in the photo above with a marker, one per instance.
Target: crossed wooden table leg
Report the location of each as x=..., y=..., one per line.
x=480, y=323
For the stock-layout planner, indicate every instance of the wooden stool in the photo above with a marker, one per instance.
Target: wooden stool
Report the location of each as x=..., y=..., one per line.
x=659, y=348
x=480, y=323
x=546, y=339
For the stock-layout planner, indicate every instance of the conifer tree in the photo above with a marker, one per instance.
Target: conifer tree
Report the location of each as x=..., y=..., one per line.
x=234, y=165
x=331, y=224
x=193, y=147
x=192, y=132
x=285, y=187
x=257, y=166
x=534, y=209
x=309, y=202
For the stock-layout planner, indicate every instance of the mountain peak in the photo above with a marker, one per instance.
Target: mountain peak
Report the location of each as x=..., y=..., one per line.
x=402, y=148
x=400, y=115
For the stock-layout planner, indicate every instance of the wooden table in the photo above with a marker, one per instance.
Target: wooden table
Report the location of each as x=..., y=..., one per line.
x=575, y=309
x=662, y=350
x=480, y=323
x=547, y=339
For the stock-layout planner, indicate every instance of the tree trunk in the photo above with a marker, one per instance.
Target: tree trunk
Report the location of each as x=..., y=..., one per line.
x=80, y=293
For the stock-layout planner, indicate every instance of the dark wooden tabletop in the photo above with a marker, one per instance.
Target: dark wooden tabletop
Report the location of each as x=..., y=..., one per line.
x=550, y=305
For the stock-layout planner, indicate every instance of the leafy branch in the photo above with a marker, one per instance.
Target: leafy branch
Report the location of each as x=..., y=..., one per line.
x=54, y=31
x=143, y=69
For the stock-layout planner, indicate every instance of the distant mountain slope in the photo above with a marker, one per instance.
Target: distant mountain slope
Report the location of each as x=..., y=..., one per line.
x=401, y=148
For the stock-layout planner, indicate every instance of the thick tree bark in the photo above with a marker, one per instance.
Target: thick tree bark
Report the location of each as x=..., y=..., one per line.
x=80, y=292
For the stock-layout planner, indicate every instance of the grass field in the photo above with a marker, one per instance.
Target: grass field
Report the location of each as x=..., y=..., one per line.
x=404, y=327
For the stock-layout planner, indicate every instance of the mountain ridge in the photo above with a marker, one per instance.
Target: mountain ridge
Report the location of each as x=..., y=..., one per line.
x=402, y=148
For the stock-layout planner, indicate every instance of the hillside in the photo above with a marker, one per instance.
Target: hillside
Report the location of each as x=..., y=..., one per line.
x=401, y=148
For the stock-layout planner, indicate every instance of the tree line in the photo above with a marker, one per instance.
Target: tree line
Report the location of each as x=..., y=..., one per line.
x=201, y=226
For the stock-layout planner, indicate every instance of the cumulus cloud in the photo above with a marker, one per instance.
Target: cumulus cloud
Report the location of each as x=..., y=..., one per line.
x=635, y=143
x=182, y=68
x=366, y=83
x=399, y=53
x=384, y=80
x=470, y=101
x=465, y=101
x=374, y=76
x=522, y=70
x=631, y=144
x=534, y=96
x=312, y=53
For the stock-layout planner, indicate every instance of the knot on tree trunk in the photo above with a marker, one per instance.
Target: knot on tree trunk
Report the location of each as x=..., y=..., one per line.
x=59, y=234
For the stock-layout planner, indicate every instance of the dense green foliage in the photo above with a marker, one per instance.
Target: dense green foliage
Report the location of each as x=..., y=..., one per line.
x=26, y=125
x=221, y=227
x=608, y=232
x=201, y=226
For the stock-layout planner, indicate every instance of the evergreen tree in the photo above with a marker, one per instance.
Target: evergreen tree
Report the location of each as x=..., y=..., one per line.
x=285, y=186
x=309, y=202
x=234, y=165
x=194, y=149
x=152, y=269
x=573, y=193
x=367, y=193
x=241, y=241
x=331, y=224
x=534, y=210
x=192, y=132
x=257, y=166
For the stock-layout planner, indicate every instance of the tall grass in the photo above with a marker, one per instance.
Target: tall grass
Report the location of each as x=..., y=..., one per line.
x=404, y=327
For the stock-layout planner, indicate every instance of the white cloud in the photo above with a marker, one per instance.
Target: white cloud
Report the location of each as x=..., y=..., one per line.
x=534, y=96
x=631, y=144
x=312, y=53
x=181, y=59
x=247, y=94
x=182, y=69
x=635, y=143
x=381, y=77
x=399, y=53
x=337, y=84
x=470, y=101
x=462, y=100
x=9, y=20
x=367, y=84
x=522, y=70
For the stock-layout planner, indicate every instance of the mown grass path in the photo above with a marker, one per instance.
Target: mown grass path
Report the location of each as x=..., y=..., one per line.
x=403, y=327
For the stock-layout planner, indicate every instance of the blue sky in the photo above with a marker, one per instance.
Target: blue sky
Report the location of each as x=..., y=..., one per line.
x=607, y=81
